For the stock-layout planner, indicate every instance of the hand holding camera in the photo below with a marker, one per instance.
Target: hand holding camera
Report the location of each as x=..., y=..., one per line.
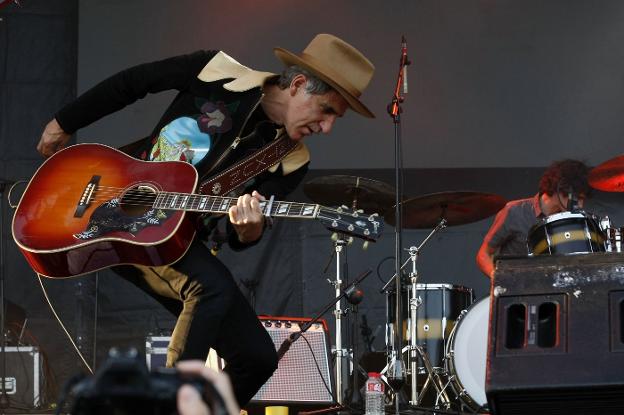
x=189, y=399
x=123, y=385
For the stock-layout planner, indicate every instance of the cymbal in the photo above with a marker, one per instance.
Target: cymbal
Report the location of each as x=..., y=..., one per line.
x=608, y=176
x=457, y=208
x=372, y=196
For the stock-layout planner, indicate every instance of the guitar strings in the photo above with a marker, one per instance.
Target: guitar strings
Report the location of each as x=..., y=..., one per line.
x=294, y=208
x=149, y=200
x=137, y=197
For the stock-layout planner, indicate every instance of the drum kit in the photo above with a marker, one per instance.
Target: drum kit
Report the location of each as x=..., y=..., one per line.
x=444, y=329
x=578, y=231
x=436, y=308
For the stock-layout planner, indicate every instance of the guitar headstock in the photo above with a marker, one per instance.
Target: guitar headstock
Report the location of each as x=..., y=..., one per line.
x=349, y=222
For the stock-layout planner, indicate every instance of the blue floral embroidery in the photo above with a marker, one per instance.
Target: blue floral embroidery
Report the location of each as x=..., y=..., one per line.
x=181, y=139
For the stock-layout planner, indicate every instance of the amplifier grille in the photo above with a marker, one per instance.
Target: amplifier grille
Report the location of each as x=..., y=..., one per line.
x=297, y=378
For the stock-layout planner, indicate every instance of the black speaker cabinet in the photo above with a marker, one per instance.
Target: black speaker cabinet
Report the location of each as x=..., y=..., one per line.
x=297, y=379
x=556, y=340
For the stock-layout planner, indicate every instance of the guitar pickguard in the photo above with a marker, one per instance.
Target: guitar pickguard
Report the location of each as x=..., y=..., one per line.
x=110, y=217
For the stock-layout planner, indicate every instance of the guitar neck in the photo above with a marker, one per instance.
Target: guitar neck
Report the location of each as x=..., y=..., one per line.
x=219, y=204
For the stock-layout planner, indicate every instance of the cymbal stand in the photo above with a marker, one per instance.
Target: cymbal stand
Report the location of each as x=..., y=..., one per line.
x=339, y=352
x=414, y=349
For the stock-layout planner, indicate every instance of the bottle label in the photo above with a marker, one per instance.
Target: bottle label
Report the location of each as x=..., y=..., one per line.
x=374, y=387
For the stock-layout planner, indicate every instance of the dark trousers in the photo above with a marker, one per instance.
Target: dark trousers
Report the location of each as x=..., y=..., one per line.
x=212, y=313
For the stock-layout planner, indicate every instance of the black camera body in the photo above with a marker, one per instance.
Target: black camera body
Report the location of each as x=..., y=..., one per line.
x=124, y=385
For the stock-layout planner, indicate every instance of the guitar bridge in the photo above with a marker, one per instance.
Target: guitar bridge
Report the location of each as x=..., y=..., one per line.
x=87, y=194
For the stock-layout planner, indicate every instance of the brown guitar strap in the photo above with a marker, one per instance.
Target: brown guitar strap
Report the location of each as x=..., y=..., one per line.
x=249, y=167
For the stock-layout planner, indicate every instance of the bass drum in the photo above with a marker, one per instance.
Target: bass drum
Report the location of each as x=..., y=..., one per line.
x=467, y=355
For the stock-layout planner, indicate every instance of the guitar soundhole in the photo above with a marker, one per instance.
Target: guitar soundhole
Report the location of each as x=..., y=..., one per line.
x=138, y=200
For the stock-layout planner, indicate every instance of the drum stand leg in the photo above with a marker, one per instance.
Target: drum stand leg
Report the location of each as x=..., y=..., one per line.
x=433, y=378
x=415, y=350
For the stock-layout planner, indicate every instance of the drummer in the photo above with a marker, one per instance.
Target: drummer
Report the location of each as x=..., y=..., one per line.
x=508, y=234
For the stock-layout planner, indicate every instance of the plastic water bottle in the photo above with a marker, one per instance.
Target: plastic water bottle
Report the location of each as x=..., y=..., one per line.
x=374, y=394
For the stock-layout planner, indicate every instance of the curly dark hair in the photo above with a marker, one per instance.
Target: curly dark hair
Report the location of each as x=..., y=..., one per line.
x=563, y=174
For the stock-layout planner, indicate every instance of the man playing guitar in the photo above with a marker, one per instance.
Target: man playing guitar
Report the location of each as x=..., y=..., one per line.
x=221, y=107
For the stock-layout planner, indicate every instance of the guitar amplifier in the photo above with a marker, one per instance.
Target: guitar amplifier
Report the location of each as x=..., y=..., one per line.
x=22, y=377
x=304, y=375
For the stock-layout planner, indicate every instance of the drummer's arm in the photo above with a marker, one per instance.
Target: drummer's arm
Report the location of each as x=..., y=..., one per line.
x=485, y=259
x=491, y=242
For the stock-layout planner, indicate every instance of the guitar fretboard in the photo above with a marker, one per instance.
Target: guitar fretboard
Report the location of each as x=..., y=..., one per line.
x=217, y=204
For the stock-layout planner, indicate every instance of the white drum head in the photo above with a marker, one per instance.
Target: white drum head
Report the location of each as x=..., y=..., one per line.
x=470, y=350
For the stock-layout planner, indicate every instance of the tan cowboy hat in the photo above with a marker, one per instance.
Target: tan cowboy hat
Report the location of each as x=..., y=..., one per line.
x=338, y=63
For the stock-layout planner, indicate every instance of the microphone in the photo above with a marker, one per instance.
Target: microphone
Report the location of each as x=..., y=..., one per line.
x=572, y=200
x=288, y=341
x=404, y=62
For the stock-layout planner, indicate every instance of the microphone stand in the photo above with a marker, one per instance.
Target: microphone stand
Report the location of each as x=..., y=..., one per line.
x=396, y=372
x=354, y=396
x=351, y=292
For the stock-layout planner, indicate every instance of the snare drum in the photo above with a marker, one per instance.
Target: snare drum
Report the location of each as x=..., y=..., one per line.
x=566, y=233
x=441, y=306
x=467, y=355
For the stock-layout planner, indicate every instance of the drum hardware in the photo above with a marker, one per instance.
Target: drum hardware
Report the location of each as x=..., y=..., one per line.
x=338, y=350
x=613, y=241
x=363, y=195
x=613, y=235
x=414, y=350
x=436, y=210
x=344, y=354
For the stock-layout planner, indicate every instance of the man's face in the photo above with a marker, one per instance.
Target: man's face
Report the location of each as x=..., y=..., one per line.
x=562, y=202
x=308, y=114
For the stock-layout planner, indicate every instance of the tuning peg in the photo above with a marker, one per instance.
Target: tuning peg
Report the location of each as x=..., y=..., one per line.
x=365, y=245
x=373, y=217
x=349, y=240
x=334, y=236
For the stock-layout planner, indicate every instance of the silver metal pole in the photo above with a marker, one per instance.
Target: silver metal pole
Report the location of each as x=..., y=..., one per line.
x=414, y=302
x=338, y=313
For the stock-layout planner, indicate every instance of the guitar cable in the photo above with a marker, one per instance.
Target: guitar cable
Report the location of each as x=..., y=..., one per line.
x=13, y=205
x=45, y=294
